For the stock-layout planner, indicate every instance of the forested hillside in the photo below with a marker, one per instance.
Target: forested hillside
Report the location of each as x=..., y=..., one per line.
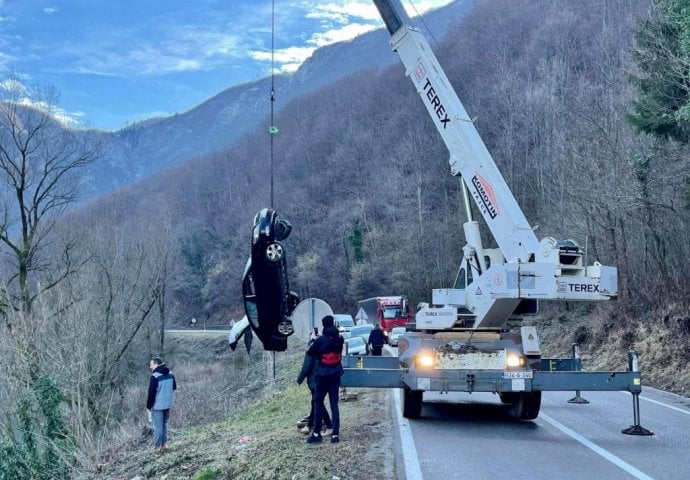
x=363, y=177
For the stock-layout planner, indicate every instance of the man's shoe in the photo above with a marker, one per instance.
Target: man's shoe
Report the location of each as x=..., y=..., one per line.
x=335, y=439
x=314, y=438
x=305, y=430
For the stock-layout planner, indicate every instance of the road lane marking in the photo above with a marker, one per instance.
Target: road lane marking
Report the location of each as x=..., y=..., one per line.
x=596, y=448
x=687, y=412
x=412, y=469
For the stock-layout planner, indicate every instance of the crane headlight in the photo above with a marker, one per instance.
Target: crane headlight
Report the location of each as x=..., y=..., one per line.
x=424, y=359
x=515, y=360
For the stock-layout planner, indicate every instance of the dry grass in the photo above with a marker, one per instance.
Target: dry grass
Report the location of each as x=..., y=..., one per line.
x=258, y=438
x=232, y=420
x=662, y=340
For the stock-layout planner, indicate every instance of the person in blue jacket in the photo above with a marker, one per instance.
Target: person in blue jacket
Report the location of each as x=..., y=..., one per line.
x=160, y=400
x=309, y=372
x=328, y=349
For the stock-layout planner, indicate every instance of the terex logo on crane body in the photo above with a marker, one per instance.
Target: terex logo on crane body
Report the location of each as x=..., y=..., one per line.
x=436, y=104
x=485, y=194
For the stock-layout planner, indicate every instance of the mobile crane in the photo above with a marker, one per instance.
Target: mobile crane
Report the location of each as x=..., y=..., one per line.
x=460, y=341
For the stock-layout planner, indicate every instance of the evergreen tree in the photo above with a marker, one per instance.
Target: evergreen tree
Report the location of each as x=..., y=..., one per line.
x=662, y=55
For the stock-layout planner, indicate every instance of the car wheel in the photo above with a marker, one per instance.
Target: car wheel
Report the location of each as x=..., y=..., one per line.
x=285, y=328
x=274, y=252
x=281, y=229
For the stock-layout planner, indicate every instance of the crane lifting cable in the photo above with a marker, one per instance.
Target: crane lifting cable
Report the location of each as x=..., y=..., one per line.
x=272, y=129
x=268, y=301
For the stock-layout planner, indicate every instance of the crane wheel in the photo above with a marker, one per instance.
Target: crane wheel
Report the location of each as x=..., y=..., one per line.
x=411, y=403
x=526, y=405
x=507, y=398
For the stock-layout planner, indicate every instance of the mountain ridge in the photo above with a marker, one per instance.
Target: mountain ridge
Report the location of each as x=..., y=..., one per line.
x=152, y=145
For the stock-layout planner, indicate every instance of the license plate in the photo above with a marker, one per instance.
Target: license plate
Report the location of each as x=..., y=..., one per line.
x=517, y=374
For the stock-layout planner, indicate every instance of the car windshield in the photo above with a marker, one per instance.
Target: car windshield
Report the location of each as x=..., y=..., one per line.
x=392, y=312
x=398, y=330
x=355, y=341
x=344, y=321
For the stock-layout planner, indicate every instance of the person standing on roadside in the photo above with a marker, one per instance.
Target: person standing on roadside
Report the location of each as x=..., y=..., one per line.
x=309, y=372
x=160, y=400
x=328, y=348
x=376, y=340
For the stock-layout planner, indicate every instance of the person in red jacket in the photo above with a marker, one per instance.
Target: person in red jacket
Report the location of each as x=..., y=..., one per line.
x=328, y=348
x=309, y=372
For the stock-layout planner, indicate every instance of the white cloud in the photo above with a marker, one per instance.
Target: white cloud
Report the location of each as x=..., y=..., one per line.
x=65, y=118
x=51, y=10
x=189, y=50
x=13, y=85
x=5, y=60
x=348, y=32
x=342, y=13
x=186, y=48
x=288, y=59
x=337, y=25
x=69, y=119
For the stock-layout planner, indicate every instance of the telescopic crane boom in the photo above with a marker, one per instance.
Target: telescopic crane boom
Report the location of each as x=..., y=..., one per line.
x=461, y=342
x=493, y=285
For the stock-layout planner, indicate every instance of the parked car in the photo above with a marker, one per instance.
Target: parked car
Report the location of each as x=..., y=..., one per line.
x=268, y=301
x=356, y=346
x=395, y=334
x=343, y=321
x=362, y=331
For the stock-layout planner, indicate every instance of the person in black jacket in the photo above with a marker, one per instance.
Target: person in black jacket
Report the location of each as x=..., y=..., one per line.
x=159, y=401
x=328, y=349
x=376, y=340
x=309, y=372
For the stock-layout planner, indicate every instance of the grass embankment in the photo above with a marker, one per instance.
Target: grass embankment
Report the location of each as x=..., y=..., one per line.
x=261, y=441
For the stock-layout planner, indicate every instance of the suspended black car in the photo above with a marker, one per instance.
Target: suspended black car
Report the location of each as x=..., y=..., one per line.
x=268, y=301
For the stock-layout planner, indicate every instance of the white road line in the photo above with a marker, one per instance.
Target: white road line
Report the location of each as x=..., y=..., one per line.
x=596, y=448
x=687, y=412
x=412, y=469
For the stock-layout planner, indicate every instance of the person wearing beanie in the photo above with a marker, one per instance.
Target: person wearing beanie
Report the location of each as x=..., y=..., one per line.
x=328, y=349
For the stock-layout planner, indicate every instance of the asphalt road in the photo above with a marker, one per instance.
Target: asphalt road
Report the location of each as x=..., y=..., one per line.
x=473, y=436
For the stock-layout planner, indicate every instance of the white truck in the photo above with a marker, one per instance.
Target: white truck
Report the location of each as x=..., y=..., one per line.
x=461, y=341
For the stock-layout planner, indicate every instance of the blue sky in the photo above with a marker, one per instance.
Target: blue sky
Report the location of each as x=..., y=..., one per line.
x=119, y=61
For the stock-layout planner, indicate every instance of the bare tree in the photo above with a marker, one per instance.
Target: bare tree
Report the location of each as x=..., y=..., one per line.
x=39, y=165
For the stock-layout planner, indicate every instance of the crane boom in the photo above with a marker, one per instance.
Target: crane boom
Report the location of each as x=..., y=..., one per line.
x=494, y=285
x=469, y=156
x=444, y=351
